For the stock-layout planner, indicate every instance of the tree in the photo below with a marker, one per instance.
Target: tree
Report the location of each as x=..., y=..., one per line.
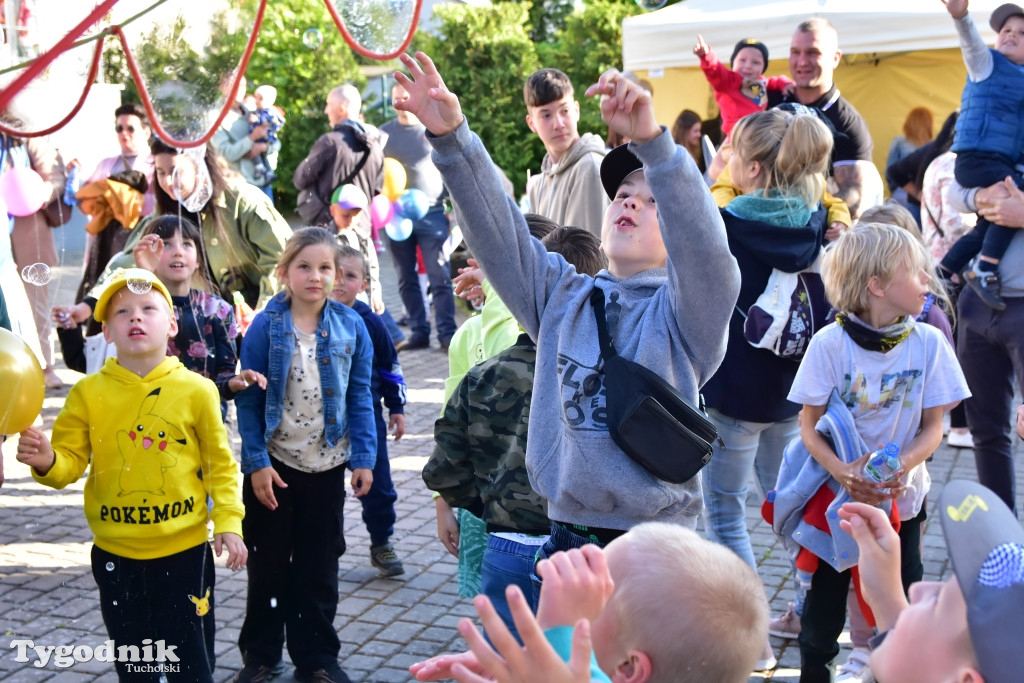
x=302, y=75
x=589, y=43
x=485, y=56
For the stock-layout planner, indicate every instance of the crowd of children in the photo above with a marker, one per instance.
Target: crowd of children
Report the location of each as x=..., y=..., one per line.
x=591, y=569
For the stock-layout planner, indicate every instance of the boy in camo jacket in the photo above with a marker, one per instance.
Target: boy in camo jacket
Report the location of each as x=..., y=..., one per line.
x=479, y=458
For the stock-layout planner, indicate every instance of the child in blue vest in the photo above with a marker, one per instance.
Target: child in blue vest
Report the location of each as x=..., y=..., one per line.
x=989, y=138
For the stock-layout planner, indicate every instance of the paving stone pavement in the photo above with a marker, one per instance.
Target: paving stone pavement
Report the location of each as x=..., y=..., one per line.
x=47, y=593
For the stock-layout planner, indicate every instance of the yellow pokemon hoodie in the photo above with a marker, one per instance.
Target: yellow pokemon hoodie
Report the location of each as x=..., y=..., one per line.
x=158, y=447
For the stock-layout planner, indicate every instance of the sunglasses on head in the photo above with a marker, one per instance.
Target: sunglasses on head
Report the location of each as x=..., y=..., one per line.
x=119, y=128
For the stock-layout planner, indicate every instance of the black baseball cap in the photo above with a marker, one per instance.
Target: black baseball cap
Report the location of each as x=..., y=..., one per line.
x=618, y=164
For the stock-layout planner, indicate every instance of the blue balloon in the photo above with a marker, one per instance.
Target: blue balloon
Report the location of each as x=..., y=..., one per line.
x=413, y=204
x=398, y=229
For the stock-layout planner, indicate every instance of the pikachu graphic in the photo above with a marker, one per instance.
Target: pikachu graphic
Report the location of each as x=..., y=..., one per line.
x=148, y=449
x=202, y=604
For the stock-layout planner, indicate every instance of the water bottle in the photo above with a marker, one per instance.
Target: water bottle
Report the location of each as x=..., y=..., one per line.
x=883, y=464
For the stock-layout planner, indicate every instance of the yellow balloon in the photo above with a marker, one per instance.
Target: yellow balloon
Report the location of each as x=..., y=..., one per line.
x=21, y=376
x=394, y=179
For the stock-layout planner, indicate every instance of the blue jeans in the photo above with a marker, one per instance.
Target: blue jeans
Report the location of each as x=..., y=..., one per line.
x=429, y=233
x=379, y=502
x=394, y=331
x=749, y=446
x=507, y=562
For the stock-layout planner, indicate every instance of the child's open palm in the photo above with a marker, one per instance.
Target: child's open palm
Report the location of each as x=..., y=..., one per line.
x=430, y=101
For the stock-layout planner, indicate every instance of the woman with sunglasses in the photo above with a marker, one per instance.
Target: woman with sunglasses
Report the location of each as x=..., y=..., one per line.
x=131, y=124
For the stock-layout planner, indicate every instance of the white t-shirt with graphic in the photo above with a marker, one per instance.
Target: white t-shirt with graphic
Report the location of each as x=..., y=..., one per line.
x=885, y=392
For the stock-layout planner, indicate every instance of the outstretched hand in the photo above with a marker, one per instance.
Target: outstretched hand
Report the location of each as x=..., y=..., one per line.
x=626, y=106
x=430, y=101
x=701, y=48
x=879, y=547
x=956, y=8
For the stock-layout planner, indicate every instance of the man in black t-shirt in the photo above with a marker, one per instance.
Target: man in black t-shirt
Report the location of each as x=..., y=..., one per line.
x=813, y=58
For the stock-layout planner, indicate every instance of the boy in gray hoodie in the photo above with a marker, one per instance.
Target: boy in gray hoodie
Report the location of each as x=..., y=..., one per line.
x=568, y=188
x=671, y=285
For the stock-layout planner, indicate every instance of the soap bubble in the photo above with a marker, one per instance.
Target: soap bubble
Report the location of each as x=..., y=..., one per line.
x=273, y=602
x=139, y=285
x=36, y=274
x=312, y=38
x=110, y=566
x=115, y=603
x=651, y=5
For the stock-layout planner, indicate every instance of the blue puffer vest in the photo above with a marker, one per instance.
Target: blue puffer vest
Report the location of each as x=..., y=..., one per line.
x=990, y=111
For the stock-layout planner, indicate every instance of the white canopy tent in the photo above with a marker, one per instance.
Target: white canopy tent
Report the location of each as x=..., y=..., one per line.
x=897, y=54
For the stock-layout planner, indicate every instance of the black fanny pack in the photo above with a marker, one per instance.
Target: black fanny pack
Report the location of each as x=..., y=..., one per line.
x=648, y=419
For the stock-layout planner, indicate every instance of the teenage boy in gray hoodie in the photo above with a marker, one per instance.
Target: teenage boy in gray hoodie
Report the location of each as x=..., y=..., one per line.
x=671, y=285
x=568, y=189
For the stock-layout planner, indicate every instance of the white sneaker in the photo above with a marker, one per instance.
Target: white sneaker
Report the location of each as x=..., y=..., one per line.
x=767, y=660
x=856, y=668
x=960, y=440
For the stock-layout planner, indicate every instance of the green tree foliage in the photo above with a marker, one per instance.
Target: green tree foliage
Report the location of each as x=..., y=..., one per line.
x=588, y=45
x=303, y=77
x=485, y=56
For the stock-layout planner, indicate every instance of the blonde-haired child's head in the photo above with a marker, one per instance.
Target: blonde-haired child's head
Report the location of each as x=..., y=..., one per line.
x=691, y=606
x=866, y=259
x=780, y=151
x=893, y=213
x=265, y=96
x=300, y=240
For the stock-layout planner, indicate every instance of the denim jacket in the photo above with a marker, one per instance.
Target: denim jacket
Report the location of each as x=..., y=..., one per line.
x=800, y=477
x=343, y=343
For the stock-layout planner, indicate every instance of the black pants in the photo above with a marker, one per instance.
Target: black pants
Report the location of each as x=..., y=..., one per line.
x=293, y=569
x=825, y=606
x=976, y=169
x=152, y=599
x=990, y=346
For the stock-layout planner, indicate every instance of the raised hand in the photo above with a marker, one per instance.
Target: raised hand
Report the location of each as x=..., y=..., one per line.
x=701, y=49
x=577, y=584
x=626, y=106
x=430, y=101
x=956, y=8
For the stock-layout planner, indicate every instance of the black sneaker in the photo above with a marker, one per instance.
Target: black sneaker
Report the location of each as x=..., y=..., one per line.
x=413, y=341
x=333, y=674
x=986, y=285
x=383, y=557
x=256, y=673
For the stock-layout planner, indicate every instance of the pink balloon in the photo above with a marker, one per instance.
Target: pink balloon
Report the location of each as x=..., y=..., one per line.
x=24, y=191
x=381, y=211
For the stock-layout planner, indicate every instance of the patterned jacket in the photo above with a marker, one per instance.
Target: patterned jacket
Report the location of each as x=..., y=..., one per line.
x=479, y=458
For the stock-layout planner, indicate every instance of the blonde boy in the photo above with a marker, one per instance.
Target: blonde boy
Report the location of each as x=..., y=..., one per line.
x=659, y=604
x=153, y=434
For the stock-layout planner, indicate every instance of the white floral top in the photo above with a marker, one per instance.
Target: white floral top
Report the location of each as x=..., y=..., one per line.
x=942, y=225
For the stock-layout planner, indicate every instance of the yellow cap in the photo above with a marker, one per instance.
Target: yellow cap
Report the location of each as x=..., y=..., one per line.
x=139, y=280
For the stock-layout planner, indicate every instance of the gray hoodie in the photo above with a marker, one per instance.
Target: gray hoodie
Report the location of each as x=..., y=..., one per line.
x=672, y=320
x=570, y=192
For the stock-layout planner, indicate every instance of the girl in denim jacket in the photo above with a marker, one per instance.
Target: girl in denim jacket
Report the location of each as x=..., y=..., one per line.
x=315, y=416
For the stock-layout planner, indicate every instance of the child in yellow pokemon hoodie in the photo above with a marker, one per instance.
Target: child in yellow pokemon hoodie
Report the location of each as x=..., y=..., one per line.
x=159, y=454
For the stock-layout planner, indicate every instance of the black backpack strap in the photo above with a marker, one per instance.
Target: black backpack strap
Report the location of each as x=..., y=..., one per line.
x=597, y=301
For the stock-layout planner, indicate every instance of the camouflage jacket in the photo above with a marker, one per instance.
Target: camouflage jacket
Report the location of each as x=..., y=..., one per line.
x=479, y=458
